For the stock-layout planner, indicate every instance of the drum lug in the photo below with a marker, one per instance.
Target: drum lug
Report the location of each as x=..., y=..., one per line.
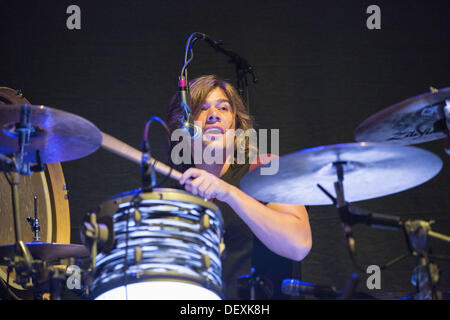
x=138, y=255
x=204, y=222
x=66, y=195
x=137, y=216
x=206, y=261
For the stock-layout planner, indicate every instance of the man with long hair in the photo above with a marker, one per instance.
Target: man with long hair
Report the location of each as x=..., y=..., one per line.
x=284, y=229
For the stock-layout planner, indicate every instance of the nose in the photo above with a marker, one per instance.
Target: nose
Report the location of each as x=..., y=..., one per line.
x=213, y=116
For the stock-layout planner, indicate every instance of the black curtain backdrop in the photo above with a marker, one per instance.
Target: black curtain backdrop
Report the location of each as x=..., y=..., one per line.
x=321, y=72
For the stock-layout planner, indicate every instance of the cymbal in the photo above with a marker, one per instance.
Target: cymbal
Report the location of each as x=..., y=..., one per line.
x=58, y=135
x=372, y=170
x=48, y=251
x=416, y=120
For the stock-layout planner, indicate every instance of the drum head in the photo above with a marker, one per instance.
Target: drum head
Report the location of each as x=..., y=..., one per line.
x=159, y=290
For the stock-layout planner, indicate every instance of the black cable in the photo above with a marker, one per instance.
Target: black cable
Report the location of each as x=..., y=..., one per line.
x=134, y=203
x=147, y=145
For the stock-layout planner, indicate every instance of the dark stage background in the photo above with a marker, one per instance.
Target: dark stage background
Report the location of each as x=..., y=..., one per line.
x=321, y=72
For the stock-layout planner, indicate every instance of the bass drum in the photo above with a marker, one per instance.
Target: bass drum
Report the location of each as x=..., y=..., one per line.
x=52, y=204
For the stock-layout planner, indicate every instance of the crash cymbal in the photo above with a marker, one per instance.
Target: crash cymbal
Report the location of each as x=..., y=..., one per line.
x=58, y=135
x=371, y=170
x=48, y=252
x=416, y=120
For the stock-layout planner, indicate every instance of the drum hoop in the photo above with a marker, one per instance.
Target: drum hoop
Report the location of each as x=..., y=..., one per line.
x=168, y=194
x=157, y=194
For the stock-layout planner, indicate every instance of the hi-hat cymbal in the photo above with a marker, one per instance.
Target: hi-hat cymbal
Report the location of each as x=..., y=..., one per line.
x=371, y=170
x=58, y=135
x=48, y=252
x=416, y=120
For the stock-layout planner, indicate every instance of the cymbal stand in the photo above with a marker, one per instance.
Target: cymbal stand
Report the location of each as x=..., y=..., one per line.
x=13, y=167
x=444, y=123
x=426, y=275
x=342, y=206
x=346, y=221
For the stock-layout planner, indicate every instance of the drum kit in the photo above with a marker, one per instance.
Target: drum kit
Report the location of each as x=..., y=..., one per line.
x=161, y=243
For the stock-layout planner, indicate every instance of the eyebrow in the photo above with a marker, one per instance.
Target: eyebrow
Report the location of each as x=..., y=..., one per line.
x=218, y=102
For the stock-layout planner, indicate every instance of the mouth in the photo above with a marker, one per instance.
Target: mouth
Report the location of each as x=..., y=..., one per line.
x=214, y=130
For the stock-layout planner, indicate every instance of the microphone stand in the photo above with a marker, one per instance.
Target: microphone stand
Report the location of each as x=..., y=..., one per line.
x=243, y=68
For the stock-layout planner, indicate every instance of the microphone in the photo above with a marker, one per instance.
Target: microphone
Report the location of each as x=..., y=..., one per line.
x=187, y=122
x=293, y=287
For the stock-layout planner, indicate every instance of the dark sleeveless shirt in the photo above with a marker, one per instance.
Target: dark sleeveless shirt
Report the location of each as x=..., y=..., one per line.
x=244, y=251
x=238, y=238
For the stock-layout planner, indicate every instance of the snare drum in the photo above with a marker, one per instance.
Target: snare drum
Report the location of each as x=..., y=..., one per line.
x=167, y=245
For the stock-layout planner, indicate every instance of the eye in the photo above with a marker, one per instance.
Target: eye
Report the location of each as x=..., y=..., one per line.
x=225, y=107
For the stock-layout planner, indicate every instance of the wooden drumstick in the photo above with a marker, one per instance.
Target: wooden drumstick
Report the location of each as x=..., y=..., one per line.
x=128, y=152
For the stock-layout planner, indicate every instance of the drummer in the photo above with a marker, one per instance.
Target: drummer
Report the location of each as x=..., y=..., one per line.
x=282, y=228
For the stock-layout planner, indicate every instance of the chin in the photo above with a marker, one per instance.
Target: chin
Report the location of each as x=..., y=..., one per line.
x=215, y=144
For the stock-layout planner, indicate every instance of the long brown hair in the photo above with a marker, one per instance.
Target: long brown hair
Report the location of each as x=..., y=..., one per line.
x=199, y=90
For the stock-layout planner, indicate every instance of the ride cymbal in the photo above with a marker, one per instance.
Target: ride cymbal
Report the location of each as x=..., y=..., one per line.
x=370, y=170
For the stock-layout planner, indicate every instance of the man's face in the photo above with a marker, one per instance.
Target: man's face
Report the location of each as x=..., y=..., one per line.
x=215, y=117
